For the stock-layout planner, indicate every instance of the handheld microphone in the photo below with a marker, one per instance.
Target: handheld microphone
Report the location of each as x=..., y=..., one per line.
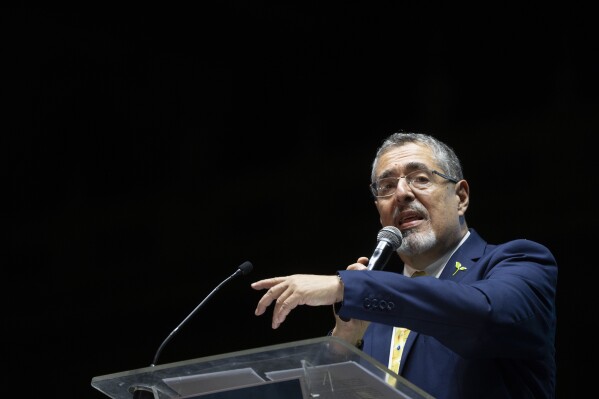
x=389, y=239
x=244, y=269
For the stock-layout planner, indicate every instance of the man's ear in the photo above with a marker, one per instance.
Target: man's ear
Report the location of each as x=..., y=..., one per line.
x=462, y=191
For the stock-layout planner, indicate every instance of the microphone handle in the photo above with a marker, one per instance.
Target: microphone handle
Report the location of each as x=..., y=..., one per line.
x=380, y=256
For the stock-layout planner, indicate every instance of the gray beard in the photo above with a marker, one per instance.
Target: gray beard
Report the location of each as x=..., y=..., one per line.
x=416, y=243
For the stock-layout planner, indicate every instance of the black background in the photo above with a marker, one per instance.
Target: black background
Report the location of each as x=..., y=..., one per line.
x=150, y=151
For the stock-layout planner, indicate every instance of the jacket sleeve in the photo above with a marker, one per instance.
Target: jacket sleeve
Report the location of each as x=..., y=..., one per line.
x=503, y=304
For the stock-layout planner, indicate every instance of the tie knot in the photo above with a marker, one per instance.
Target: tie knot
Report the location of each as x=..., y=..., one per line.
x=418, y=273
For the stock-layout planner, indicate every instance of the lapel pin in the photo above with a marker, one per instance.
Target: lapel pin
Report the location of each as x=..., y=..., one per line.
x=458, y=267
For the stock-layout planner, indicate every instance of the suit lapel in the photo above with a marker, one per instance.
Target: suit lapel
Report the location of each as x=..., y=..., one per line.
x=457, y=267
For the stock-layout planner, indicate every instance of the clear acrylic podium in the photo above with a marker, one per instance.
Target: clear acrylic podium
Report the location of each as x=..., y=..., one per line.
x=323, y=368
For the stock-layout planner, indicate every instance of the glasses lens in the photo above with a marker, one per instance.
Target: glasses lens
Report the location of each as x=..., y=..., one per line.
x=386, y=186
x=420, y=179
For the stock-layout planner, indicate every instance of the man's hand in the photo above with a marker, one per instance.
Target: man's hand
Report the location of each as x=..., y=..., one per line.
x=294, y=290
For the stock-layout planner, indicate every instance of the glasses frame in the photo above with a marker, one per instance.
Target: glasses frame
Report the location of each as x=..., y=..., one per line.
x=435, y=172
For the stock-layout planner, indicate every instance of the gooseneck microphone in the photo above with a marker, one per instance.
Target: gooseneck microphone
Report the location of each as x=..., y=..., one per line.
x=389, y=239
x=243, y=269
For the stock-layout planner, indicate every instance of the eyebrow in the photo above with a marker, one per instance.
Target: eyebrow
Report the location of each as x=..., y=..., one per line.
x=409, y=167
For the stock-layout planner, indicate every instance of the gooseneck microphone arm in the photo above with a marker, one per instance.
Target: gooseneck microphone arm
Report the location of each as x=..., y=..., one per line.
x=244, y=269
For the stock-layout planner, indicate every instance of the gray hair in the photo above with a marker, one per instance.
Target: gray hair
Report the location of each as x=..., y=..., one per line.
x=444, y=155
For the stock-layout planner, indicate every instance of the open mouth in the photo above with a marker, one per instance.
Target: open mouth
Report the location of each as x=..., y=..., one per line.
x=408, y=219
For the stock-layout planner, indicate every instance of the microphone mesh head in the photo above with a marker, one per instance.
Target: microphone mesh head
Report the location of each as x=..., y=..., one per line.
x=246, y=267
x=392, y=235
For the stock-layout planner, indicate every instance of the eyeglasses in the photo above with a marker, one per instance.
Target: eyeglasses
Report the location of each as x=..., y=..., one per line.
x=418, y=179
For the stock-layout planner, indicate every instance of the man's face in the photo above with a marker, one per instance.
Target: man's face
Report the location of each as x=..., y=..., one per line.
x=427, y=217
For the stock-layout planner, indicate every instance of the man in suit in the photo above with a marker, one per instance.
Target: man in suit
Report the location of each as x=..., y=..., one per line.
x=481, y=321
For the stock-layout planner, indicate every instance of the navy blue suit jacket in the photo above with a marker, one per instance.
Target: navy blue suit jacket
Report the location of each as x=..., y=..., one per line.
x=486, y=331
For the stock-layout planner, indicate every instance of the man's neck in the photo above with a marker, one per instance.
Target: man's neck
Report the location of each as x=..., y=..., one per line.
x=422, y=261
